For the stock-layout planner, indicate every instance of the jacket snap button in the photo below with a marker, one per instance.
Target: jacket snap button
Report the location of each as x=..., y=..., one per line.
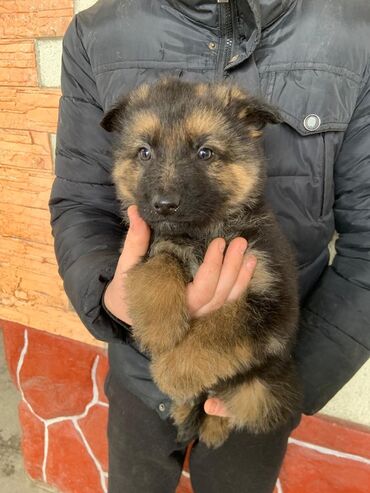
x=234, y=59
x=312, y=122
x=211, y=45
x=162, y=407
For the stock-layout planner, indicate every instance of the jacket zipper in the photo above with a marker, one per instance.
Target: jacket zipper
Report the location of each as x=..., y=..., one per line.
x=226, y=31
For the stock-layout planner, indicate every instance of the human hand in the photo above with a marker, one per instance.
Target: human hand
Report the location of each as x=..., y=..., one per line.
x=216, y=407
x=135, y=247
x=220, y=278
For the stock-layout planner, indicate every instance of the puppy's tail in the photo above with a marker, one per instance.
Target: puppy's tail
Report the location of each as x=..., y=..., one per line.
x=189, y=429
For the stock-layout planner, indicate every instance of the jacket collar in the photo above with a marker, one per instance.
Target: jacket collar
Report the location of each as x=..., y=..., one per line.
x=257, y=15
x=265, y=12
x=271, y=10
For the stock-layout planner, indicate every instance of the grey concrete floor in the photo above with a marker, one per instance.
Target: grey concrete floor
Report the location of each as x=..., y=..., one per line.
x=13, y=478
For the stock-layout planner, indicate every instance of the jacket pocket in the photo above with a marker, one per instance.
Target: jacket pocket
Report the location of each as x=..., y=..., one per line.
x=117, y=81
x=316, y=105
x=113, y=83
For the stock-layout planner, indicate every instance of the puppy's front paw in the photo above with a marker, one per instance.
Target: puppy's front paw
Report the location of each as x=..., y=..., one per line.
x=180, y=377
x=156, y=300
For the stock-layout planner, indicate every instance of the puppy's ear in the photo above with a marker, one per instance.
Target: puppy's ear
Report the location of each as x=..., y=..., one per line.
x=252, y=111
x=256, y=113
x=113, y=119
x=259, y=114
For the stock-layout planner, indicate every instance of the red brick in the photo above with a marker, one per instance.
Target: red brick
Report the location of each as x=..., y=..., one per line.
x=17, y=63
x=34, y=18
x=94, y=428
x=69, y=467
x=29, y=108
x=29, y=275
x=26, y=223
x=24, y=149
x=31, y=189
x=32, y=441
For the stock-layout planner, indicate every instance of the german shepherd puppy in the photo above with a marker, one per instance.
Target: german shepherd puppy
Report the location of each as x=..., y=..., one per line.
x=189, y=155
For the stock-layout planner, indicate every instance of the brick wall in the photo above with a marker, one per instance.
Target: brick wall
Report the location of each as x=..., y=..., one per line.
x=30, y=49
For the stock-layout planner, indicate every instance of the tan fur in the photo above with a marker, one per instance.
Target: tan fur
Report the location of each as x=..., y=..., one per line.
x=214, y=430
x=254, y=133
x=182, y=374
x=203, y=122
x=275, y=346
x=237, y=93
x=126, y=176
x=221, y=93
x=196, y=363
x=184, y=253
x=179, y=412
x=252, y=404
x=225, y=92
x=155, y=296
x=201, y=90
x=236, y=179
x=141, y=93
x=263, y=279
x=146, y=122
x=242, y=113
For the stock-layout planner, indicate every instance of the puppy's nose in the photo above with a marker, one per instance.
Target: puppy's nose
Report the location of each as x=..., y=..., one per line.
x=166, y=204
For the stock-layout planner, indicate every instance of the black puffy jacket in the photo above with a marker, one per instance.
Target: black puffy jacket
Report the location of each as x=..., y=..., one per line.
x=308, y=57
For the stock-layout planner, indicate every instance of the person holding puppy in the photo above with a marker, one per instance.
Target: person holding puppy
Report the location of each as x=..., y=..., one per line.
x=311, y=60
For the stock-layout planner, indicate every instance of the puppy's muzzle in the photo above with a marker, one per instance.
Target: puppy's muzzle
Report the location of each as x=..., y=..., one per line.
x=166, y=204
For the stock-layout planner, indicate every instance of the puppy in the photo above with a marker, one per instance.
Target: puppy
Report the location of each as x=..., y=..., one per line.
x=189, y=155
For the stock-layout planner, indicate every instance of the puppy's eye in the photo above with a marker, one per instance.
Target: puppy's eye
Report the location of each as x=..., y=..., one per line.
x=205, y=153
x=144, y=154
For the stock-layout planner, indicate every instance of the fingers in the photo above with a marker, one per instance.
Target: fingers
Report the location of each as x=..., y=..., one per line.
x=201, y=290
x=137, y=240
x=216, y=407
x=229, y=275
x=245, y=275
x=230, y=271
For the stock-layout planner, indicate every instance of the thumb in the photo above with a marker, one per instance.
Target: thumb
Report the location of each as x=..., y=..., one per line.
x=215, y=407
x=136, y=242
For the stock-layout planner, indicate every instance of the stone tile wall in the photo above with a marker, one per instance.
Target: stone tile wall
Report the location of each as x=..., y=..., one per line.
x=64, y=412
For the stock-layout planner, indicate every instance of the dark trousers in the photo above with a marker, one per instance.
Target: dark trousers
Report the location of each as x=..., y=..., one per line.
x=144, y=456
